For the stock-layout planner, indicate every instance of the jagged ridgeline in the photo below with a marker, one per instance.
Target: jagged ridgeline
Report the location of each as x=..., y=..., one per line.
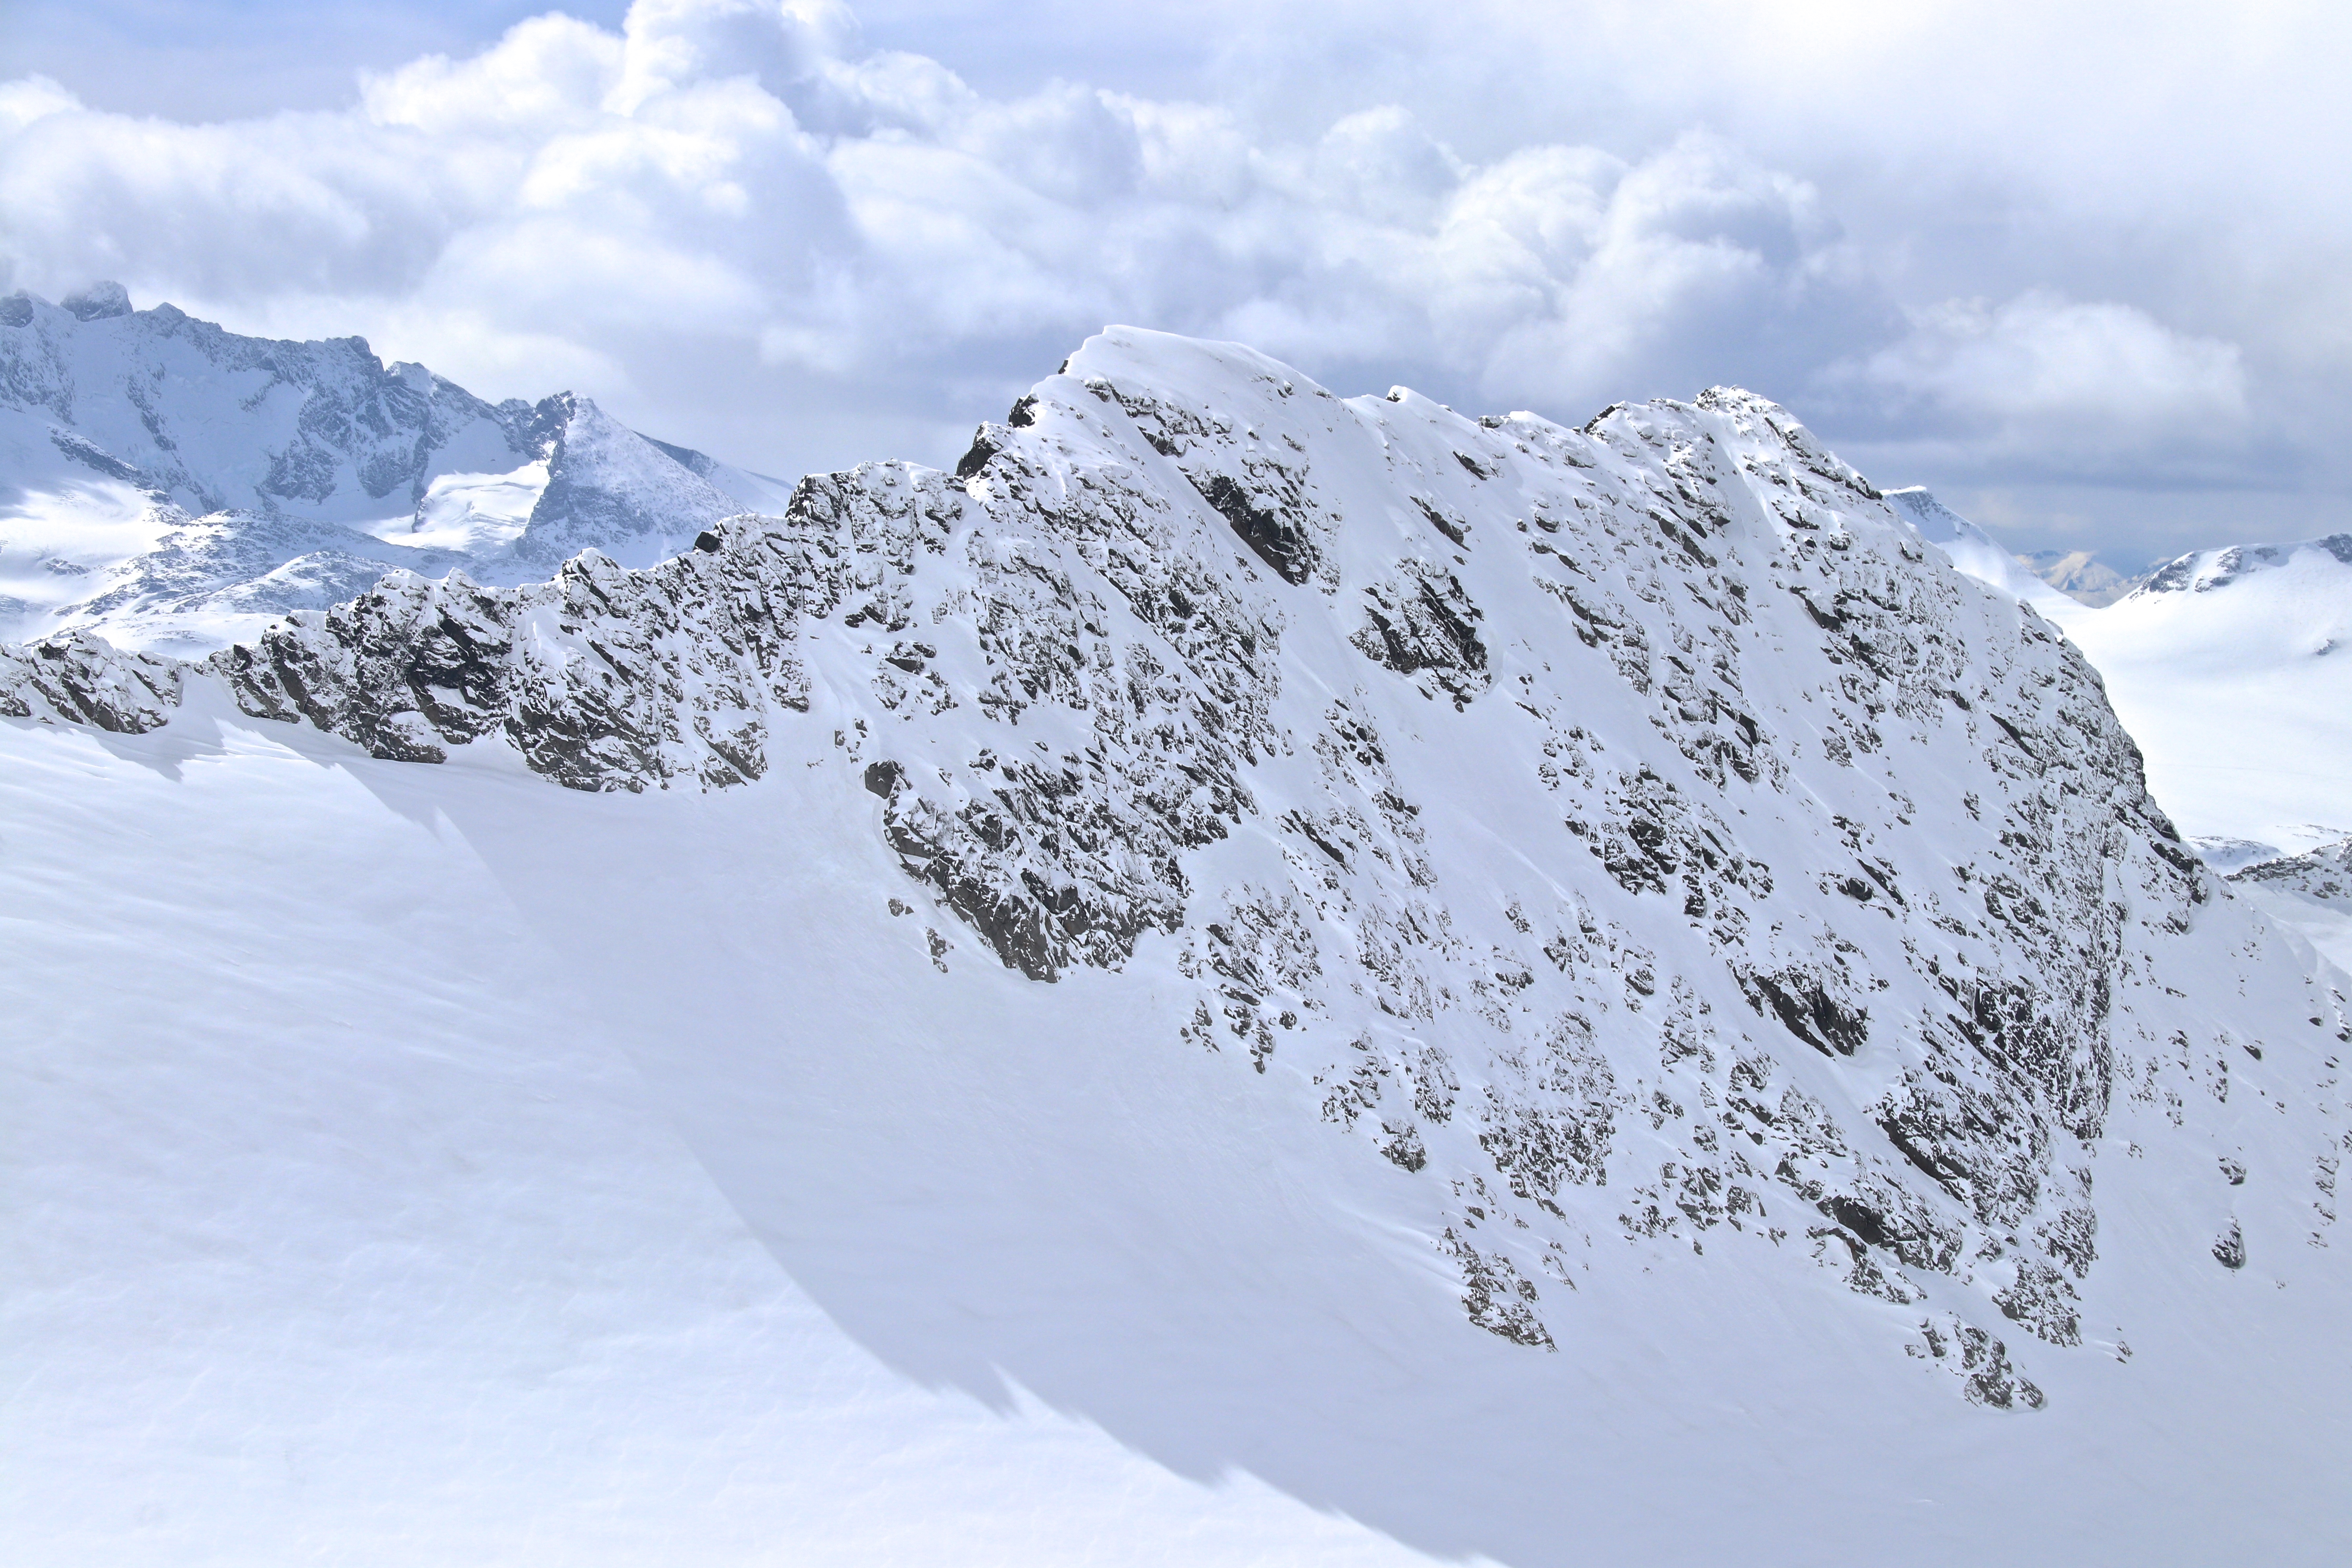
x=1634, y=831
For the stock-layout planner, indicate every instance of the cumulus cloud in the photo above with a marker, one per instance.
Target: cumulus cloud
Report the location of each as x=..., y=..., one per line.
x=738, y=220
x=734, y=169
x=2040, y=374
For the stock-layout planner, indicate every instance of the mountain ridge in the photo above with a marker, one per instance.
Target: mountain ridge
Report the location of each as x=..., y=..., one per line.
x=200, y=482
x=1631, y=845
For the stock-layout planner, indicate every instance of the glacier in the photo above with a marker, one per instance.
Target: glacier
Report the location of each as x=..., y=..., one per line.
x=1249, y=974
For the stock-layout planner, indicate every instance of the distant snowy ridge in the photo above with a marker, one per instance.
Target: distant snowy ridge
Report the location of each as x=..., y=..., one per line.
x=2225, y=665
x=2078, y=574
x=1629, y=833
x=2325, y=873
x=2310, y=893
x=174, y=485
x=2203, y=571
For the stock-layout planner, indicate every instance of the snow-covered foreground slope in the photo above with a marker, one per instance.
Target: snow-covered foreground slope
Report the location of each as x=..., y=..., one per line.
x=175, y=486
x=1572, y=995
x=339, y=1228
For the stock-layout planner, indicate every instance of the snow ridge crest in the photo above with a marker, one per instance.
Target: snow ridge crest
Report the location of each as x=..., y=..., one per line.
x=1633, y=830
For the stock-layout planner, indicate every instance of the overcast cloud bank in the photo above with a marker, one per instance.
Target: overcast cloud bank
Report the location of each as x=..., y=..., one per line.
x=745, y=225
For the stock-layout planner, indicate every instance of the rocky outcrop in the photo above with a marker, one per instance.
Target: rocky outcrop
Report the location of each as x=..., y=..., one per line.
x=1632, y=830
x=2324, y=874
x=78, y=679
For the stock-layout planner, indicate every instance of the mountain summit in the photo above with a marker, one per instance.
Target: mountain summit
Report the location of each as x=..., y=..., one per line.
x=171, y=484
x=1565, y=992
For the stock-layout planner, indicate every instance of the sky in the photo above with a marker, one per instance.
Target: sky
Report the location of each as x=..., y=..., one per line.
x=2085, y=268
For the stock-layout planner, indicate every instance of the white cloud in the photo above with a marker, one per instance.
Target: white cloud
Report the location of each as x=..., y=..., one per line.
x=735, y=220
x=24, y=102
x=739, y=170
x=2040, y=373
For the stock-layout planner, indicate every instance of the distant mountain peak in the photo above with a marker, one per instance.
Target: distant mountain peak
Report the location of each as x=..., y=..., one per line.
x=119, y=429
x=98, y=302
x=2079, y=575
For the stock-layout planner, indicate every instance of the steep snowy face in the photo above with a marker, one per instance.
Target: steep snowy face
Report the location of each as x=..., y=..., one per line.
x=1633, y=835
x=168, y=483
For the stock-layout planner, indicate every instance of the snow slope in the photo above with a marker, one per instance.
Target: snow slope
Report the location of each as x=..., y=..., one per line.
x=1564, y=994
x=340, y=1227
x=2230, y=668
x=2310, y=893
x=171, y=484
x=2226, y=667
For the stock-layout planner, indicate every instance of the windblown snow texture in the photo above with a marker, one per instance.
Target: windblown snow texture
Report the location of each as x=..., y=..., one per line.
x=1650, y=845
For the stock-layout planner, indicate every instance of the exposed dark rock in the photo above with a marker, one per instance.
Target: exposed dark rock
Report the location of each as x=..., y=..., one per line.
x=1277, y=540
x=1808, y=1011
x=83, y=679
x=1422, y=621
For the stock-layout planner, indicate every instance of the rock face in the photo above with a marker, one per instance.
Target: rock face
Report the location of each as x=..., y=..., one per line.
x=84, y=680
x=1655, y=845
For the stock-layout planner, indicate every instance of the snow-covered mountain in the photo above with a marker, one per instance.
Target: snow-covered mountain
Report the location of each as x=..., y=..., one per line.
x=2227, y=667
x=1561, y=993
x=2079, y=575
x=173, y=484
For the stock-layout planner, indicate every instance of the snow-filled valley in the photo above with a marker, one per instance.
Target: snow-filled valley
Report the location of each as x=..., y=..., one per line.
x=1249, y=977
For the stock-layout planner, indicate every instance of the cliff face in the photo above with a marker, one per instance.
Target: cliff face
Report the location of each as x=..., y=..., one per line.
x=1633, y=835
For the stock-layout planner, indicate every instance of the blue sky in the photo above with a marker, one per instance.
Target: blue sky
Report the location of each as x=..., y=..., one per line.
x=2086, y=268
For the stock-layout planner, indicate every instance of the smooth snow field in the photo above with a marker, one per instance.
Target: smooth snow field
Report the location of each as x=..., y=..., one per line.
x=427, y=1165
x=342, y=1230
